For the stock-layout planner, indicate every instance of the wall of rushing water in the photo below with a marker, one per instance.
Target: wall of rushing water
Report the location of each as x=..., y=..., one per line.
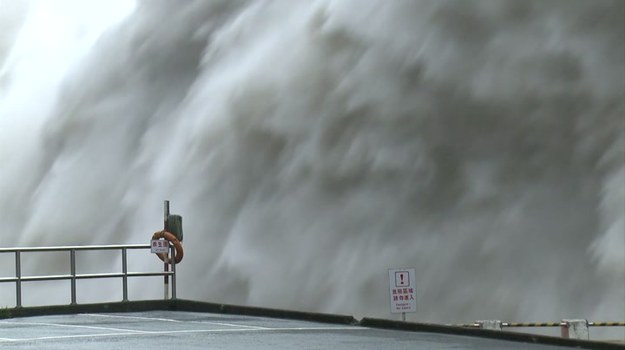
x=311, y=145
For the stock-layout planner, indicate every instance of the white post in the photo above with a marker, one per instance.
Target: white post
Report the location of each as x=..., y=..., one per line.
x=490, y=324
x=576, y=329
x=403, y=316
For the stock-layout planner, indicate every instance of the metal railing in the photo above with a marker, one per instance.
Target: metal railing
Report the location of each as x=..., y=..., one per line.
x=541, y=324
x=18, y=279
x=574, y=328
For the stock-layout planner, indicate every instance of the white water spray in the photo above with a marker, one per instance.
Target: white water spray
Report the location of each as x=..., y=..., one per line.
x=311, y=145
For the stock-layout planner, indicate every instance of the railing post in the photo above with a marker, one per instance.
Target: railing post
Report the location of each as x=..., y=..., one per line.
x=18, y=282
x=125, y=272
x=173, y=270
x=72, y=258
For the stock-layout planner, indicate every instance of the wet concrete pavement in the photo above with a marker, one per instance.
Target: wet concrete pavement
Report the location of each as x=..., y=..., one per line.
x=192, y=330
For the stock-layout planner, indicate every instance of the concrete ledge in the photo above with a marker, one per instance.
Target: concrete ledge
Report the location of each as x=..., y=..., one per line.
x=130, y=306
x=486, y=333
x=196, y=306
x=176, y=305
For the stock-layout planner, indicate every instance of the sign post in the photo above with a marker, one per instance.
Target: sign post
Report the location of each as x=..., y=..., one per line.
x=402, y=291
x=165, y=265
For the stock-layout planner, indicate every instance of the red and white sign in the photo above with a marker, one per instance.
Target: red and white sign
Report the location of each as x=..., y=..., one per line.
x=402, y=290
x=160, y=246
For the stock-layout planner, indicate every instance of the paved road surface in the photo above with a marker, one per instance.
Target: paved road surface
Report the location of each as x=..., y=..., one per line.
x=189, y=330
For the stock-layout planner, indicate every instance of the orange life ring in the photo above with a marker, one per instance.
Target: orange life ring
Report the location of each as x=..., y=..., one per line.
x=177, y=245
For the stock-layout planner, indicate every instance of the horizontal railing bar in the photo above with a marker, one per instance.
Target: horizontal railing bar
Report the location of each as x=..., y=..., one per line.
x=83, y=276
x=77, y=248
x=561, y=324
x=534, y=324
x=45, y=278
x=99, y=275
x=606, y=324
x=147, y=274
x=542, y=324
x=120, y=274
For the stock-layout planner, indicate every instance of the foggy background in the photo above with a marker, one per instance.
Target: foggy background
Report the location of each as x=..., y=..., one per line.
x=312, y=145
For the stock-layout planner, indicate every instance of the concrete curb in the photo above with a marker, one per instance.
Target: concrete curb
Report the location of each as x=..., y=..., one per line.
x=486, y=333
x=130, y=306
x=176, y=305
x=198, y=306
